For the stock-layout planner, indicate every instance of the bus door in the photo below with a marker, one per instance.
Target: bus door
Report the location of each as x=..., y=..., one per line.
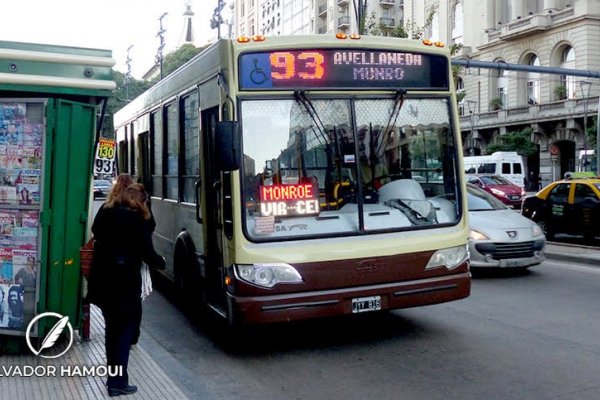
x=212, y=186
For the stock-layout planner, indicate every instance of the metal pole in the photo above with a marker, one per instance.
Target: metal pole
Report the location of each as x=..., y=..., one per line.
x=585, y=90
x=471, y=105
x=598, y=140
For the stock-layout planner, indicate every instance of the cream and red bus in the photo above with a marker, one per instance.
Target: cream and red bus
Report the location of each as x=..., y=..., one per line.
x=304, y=176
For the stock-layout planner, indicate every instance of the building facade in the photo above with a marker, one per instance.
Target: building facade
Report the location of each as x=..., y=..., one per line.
x=550, y=33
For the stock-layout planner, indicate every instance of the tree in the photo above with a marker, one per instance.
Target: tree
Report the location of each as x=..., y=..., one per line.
x=121, y=96
x=179, y=57
x=519, y=141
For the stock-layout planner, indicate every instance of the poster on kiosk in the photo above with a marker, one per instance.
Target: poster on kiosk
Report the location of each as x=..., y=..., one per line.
x=21, y=134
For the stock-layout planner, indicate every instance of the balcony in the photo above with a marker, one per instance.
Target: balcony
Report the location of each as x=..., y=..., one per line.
x=387, y=3
x=387, y=22
x=562, y=110
x=343, y=3
x=323, y=10
x=344, y=22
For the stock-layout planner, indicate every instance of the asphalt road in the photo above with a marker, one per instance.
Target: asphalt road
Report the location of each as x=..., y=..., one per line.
x=531, y=335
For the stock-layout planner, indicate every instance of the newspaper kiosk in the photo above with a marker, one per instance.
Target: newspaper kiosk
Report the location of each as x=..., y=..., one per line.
x=49, y=97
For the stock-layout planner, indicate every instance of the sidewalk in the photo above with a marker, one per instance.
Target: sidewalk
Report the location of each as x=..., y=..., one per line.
x=144, y=372
x=573, y=253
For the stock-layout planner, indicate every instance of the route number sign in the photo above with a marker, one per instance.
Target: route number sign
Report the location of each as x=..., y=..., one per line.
x=105, y=157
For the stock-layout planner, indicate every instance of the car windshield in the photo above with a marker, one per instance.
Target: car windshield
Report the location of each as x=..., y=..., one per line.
x=344, y=166
x=495, y=180
x=480, y=200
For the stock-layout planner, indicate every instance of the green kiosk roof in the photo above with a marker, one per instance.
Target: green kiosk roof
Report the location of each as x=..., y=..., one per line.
x=55, y=69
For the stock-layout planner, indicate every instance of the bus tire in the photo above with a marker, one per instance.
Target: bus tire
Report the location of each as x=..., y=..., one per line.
x=188, y=281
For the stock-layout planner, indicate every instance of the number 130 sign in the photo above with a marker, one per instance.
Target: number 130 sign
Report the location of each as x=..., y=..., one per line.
x=105, y=157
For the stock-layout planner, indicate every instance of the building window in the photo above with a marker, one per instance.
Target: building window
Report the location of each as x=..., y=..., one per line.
x=567, y=60
x=502, y=87
x=457, y=24
x=533, y=82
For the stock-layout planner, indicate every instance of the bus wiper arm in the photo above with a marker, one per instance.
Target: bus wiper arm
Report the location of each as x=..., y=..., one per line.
x=300, y=97
x=398, y=103
x=413, y=215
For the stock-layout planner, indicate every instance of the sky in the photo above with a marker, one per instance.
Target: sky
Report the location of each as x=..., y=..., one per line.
x=109, y=24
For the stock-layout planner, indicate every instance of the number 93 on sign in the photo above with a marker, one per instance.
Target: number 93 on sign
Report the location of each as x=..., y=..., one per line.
x=104, y=166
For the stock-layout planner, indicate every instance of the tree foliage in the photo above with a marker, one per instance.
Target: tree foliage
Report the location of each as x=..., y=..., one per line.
x=179, y=57
x=127, y=91
x=519, y=141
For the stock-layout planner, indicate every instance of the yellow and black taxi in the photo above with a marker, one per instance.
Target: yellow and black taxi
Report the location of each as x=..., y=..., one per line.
x=568, y=206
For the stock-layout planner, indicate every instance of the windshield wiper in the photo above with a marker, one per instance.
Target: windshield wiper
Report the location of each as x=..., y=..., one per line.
x=398, y=103
x=300, y=97
x=413, y=215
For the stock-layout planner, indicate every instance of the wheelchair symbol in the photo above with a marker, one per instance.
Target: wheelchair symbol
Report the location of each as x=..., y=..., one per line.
x=257, y=75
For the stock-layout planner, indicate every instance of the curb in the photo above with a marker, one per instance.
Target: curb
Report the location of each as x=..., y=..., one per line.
x=573, y=253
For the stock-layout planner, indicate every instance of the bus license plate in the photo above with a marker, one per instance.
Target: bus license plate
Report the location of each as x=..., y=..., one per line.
x=363, y=304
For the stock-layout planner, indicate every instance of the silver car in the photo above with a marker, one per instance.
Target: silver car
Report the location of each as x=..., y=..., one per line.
x=499, y=236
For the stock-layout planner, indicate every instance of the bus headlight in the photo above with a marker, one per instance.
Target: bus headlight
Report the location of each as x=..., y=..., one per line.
x=450, y=258
x=268, y=274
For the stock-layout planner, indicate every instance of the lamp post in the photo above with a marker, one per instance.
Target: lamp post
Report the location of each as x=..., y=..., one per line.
x=161, y=46
x=585, y=91
x=471, y=105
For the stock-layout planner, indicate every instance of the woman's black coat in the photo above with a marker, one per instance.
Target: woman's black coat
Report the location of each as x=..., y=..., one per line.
x=123, y=239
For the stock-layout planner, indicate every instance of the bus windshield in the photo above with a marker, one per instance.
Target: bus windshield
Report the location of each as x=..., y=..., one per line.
x=334, y=166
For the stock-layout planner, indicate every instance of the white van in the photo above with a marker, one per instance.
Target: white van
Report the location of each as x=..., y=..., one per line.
x=508, y=164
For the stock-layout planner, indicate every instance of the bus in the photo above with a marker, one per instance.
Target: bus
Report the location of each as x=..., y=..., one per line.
x=304, y=176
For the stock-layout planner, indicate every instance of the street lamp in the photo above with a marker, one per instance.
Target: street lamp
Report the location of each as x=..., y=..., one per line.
x=161, y=46
x=471, y=105
x=585, y=91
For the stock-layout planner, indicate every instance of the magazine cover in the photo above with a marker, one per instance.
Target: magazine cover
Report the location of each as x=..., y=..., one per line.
x=3, y=305
x=24, y=267
x=6, y=266
x=28, y=193
x=8, y=195
x=14, y=299
x=30, y=219
x=7, y=222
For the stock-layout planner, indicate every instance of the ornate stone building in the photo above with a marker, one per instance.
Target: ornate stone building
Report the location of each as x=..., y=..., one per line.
x=551, y=33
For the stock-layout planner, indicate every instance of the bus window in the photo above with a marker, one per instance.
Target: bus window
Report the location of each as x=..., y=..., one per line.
x=506, y=168
x=172, y=170
x=191, y=160
x=517, y=168
x=123, y=157
x=157, y=153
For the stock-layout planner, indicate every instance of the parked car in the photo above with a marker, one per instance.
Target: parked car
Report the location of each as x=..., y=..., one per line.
x=500, y=236
x=501, y=188
x=101, y=187
x=567, y=206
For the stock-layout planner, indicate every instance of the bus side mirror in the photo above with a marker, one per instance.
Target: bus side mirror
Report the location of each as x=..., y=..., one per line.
x=228, y=145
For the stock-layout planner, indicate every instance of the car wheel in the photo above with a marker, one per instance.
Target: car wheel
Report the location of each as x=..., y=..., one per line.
x=548, y=231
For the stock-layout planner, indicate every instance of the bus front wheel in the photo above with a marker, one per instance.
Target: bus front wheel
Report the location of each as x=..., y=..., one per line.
x=188, y=281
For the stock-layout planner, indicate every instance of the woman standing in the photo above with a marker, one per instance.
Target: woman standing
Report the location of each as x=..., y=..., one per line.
x=122, y=182
x=123, y=239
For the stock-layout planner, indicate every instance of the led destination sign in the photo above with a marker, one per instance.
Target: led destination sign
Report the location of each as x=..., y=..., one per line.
x=289, y=200
x=342, y=68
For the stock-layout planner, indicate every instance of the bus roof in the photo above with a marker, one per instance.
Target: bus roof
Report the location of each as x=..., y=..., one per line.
x=42, y=68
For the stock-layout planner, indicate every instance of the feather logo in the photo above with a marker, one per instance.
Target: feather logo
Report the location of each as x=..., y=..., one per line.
x=53, y=334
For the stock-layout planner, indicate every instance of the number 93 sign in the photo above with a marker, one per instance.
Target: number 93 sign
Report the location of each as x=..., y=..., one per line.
x=105, y=157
